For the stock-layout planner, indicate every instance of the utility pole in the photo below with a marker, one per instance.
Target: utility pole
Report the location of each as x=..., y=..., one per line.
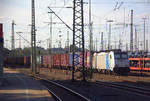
x=68, y=44
x=13, y=36
x=144, y=35
x=48, y=43
x=135, y=39
x=109, y=35
x=90, y=34
x=51, y=31
x=78, y=34
x=96, y=44
x=138, y=44
x=131, y=34
x=127, y=47
x=102, y=42
x=146, y=45
x=115, y=42
x=119, y=45
x=33, y=40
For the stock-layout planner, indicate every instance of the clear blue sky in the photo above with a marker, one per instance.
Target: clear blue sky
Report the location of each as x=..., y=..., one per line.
x=102, y=10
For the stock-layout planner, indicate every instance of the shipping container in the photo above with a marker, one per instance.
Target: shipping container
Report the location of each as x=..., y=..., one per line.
x=67, y=60
x=57, y=60
x=49, y=61
x=88, y=59
x=64, y=60
x=71, y=59
x=45, y=61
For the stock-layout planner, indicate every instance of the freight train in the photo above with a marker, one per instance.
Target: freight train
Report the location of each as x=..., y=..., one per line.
x=112, y=61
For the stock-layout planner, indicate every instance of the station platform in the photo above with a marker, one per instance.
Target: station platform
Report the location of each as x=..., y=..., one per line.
x=18, y=87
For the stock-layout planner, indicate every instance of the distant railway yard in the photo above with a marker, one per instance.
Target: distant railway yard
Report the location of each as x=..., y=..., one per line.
x=74, y=50
x=113, y=75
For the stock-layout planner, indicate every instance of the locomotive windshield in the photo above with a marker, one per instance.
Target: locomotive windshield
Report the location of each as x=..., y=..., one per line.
x=117, y=56
x=124, y=56
x=121, y=56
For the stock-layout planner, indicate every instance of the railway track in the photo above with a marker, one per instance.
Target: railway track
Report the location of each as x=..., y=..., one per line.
x=129, y=88
x=60, y=92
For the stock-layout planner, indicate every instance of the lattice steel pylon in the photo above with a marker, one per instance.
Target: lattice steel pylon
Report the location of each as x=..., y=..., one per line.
x=33, y=40
x=78, y=36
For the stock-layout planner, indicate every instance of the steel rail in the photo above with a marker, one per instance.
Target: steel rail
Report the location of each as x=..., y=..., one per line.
x=138, y=90
x=61, y=86
x=54, y=95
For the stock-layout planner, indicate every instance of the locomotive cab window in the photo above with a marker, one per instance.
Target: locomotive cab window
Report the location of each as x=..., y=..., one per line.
x=117, y=56
x=124, y=56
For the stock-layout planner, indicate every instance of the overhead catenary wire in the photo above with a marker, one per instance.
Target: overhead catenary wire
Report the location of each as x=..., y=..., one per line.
x=61, y=20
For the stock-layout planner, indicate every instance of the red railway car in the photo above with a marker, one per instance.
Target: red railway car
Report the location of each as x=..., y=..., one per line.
x=142, y=63
x=49, y=61
x=64, y=60
x=56, y=60
x=86, y=59
x=45, y=61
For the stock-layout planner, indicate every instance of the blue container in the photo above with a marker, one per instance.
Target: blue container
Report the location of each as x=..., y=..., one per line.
x=71, y=59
